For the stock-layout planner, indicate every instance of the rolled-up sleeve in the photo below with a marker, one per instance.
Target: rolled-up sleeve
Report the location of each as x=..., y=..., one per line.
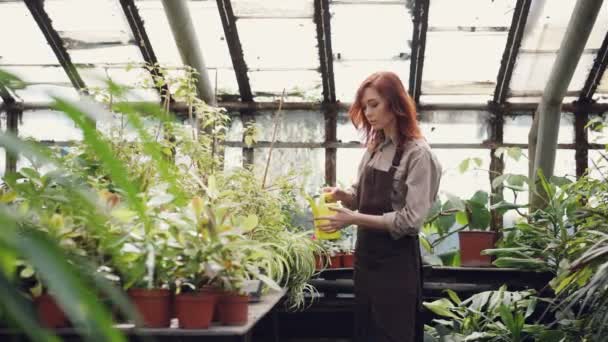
x=420, y=185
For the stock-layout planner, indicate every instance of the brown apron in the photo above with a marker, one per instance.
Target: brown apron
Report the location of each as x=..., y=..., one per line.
x=387, y=271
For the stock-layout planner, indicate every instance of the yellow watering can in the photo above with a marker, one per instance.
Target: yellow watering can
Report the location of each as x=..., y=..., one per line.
x=320, y=208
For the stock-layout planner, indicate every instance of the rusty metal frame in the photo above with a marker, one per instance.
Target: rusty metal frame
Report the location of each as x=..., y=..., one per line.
x=36, y=8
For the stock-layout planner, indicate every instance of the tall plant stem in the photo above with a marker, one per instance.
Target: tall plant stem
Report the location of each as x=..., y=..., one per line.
x=274, y=137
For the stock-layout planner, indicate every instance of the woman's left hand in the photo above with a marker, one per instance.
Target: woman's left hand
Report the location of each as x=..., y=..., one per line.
x=343, y=217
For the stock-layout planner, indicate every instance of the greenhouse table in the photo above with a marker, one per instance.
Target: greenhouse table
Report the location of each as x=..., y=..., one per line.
x=257, y=311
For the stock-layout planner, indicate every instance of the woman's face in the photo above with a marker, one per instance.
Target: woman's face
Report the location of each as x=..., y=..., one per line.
x=375, y=109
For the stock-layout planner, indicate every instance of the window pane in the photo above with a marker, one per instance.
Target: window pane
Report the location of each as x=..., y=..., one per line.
x=440, y=127
x=598, y=164
x=478, y=13
x=273, y=8
x=532, y=71
x=600, y=137
x=48, y=125
x=455, y=64
x=299, y=85
x=347, y=164
x=517, y=128
x=233, y=158
x=298, y=49
x=310, y=162
x=350, y=74
x=28, y=46
x=548, y=21
x=99, y=33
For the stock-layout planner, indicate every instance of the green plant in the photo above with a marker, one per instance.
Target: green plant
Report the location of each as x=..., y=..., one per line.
x=488, y=316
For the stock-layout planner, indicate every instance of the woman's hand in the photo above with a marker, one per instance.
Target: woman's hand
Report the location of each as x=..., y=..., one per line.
x=343, y=217
x=335, y=194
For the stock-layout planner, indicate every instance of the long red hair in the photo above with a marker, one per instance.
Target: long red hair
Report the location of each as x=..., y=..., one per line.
x=390, y=87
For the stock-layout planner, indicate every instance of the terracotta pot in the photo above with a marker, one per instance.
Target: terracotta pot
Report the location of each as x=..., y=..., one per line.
x=335, y=261
x=194, y=310
x=348, y=260
x=154, y=306
x=234, y=309
x=218, y=293
x=471, y=245
x=319, y=262
x=49, y=313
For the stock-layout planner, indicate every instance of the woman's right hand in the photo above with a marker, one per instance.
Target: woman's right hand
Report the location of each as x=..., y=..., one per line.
x=334, y=194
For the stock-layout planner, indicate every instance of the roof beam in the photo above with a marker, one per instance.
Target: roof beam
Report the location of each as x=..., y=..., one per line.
x=236, y=50
x=508, y=108
x=596, y=73
x=145, y=47
x=509, y=56
x=421, y=22
x=36, y=8
x=323, y=22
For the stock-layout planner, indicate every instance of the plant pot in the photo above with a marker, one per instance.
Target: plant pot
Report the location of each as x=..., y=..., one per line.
x=218, y=293
x=195, y=310
x=335, y=261
x=319, y=262
x=233, y=309
x=49, y=313
x=348, y=260
x=471, y=245
x=154, y=306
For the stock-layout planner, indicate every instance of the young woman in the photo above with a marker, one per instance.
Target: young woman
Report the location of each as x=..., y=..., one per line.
x=398, y=180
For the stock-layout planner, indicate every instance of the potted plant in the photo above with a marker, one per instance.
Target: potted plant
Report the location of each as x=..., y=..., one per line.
x=475, y=236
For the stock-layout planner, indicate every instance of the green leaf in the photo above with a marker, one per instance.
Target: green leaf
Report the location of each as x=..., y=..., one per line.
x=514, y=152
x=453, y=296
x=441, y=307
x=461, y=218
x=517, y=180
x=248, y=140
x=480, y=217
x=480, y=197
x=464, y=165
x=455, y=202
x=249, y=223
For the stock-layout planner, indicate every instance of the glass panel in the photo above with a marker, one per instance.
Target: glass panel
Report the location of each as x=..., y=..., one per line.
x=235, y=131
x=40, y=74
x=547, y=23
x=602, y=89
x=310, y=162
x=43, y=92
x=137, y=80
x=517, y=128
x=478, y=13
x=300, y=85
x=294, y=126
x=347, y=165
x=298, y=49
x=467, y=183
x=383, y=35
x=455, y=64
x=27, y=47
x=273, y=8
x=346, y=131
x=455, y=99
x=233, y=158
x=98, y=34
x=48, y=125
x=440, y=126
x=350, y=74
x=532, y=71
x=598, y=164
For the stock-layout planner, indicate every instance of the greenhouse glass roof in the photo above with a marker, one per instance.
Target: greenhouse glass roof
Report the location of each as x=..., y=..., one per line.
x=460, y=52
